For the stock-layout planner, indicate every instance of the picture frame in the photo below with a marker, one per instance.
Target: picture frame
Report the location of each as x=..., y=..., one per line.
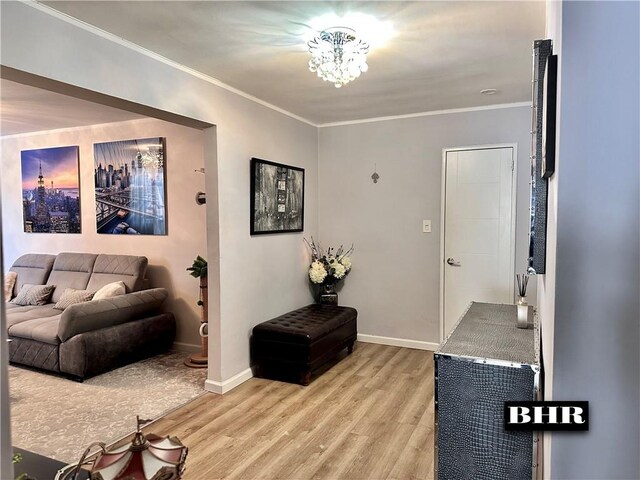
x=130, y=181
x=549, y=117
x=51, y=190
x=277, y=198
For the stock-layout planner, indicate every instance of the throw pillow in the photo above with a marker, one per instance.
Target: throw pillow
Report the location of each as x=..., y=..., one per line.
x=71, y=296
x=9, y=282
x=33, y=294
x=111, y=290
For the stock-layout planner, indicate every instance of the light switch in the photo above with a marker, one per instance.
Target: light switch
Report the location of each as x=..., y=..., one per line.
x=426, y=226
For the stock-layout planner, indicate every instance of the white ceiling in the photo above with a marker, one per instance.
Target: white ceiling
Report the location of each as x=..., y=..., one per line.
x=25, y=109
x=442, y=54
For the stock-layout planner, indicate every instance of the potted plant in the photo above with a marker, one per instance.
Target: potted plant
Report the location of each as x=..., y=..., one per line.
x=199, y=270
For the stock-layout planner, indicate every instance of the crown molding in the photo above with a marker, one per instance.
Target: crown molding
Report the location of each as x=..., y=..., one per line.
x=497, y=106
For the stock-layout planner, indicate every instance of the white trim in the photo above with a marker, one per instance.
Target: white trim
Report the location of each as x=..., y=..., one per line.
x=427, y=114
x=227, y=385
x=186, y=347
x=139, y=49
x=398, y=342
x=514, y=184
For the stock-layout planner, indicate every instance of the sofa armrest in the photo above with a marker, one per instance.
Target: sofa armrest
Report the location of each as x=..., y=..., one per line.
x=88, y=316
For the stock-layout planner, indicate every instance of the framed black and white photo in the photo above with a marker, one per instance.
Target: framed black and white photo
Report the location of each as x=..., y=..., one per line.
x=277, y=197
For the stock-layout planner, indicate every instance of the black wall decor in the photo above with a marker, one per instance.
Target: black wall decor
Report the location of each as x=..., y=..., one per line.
x=277, y=197
x=549, y=117
x=542, y=49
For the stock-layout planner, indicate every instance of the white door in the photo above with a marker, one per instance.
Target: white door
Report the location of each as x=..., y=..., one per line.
x=479, y=234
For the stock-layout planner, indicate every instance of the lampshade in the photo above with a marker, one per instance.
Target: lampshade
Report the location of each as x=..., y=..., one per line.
x=149, y=457
x=146, y=458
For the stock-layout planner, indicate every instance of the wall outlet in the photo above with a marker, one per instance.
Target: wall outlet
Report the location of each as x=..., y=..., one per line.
x=426, y=226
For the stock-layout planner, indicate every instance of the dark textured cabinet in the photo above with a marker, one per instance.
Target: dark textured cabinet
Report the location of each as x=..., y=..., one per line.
x=485, y=361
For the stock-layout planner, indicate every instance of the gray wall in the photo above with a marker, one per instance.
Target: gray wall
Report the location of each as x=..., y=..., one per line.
x=395, y=281
x=597, y=285
x=259, y=277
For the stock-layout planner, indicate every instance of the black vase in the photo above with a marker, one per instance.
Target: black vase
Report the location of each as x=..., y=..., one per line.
x=328, y=295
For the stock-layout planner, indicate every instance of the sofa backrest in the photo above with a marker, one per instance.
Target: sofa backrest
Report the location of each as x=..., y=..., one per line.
x=32, y=268
x=113, y=268
x=71, y=270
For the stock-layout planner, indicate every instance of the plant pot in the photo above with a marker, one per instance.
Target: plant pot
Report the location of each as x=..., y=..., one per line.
x=523, y=313
x=201, y=360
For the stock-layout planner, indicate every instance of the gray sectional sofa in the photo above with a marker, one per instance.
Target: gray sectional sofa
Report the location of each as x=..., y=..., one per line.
x=91, y=337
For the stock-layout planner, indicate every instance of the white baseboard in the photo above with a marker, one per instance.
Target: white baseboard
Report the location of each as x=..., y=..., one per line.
x=186, y=347
x=398, y=342
x=229, y=384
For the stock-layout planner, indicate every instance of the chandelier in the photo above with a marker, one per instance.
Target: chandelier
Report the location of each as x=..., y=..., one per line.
x=338, y=55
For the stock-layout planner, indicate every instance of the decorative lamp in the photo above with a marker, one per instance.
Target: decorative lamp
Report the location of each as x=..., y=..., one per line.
x=149, y=457
x=338, y=55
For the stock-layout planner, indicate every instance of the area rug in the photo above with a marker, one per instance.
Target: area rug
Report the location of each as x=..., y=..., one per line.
x=59, y=418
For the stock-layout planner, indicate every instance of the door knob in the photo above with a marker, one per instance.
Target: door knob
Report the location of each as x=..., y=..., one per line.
x=453, y=262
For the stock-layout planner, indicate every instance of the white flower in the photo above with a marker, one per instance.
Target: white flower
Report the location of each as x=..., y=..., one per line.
x=339, y=270
x=346, y=261
x=317, y=273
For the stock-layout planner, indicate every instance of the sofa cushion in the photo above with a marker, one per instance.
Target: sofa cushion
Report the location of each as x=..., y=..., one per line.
x=9, y=282
x=33, y=295
x=111, y=290
x=24, y=314
x=71, y=270
x=71, y=297
x=42, y=328
x=33, y=268
x=112, y=268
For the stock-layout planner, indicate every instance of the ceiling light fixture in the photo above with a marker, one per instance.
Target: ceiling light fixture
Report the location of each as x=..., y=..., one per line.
x=338, y=55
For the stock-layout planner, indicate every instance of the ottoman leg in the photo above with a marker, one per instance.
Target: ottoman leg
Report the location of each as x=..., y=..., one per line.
x=350, y=348
x=305, y=378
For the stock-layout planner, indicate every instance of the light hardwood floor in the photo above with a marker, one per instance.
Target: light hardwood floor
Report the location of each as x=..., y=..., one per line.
x=368, y=417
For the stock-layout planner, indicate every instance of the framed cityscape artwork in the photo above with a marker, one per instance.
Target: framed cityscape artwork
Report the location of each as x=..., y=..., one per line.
x=51, y=190
x=277, y=198
x=130, y=187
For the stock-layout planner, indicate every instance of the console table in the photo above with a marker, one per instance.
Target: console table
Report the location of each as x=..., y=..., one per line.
x=485, y=361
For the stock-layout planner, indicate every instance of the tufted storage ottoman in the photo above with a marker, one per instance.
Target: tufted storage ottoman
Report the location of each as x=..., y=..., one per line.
x=302, y=341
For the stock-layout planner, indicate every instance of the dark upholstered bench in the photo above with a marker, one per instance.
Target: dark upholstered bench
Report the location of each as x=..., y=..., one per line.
x=302, y=341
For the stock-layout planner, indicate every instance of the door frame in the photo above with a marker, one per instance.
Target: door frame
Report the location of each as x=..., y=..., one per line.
x=443, y=183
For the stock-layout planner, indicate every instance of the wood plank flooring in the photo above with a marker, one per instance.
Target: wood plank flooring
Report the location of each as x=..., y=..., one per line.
x=368, y=417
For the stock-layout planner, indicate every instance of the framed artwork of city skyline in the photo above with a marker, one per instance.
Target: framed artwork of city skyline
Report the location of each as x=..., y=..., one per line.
x=277, y=198
x=130, y=187
x=51, y=190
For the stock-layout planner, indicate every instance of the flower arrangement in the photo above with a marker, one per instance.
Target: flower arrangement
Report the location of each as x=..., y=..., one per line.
x=328, y=268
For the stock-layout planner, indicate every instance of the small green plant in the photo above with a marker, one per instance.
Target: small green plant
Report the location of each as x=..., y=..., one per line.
x=17, y=458
x=199, y=268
